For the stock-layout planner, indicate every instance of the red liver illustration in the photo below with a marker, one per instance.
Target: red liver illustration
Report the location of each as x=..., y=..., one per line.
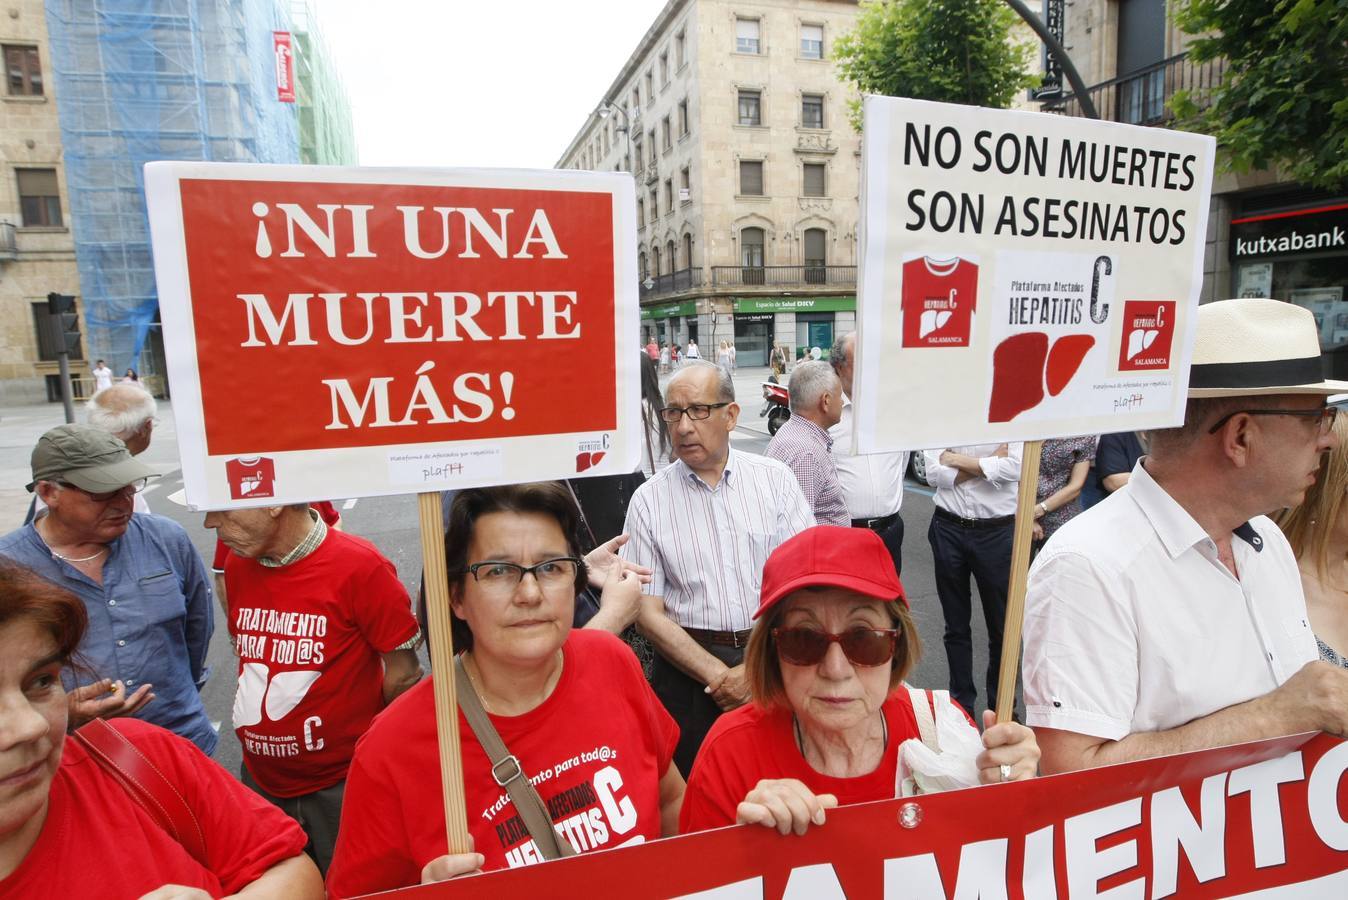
x=1017, y=375
x=1064, y=360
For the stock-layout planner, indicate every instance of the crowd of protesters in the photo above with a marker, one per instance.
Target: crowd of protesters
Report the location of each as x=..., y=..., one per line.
x=767, y=585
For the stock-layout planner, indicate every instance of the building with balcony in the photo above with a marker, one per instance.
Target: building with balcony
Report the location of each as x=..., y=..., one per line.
x=37, y=251
x=732, y=119
x=1268, y=236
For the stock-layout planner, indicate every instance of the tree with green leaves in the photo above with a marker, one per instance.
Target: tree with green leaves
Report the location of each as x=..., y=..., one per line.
x=957, y=51
x=1283, y=101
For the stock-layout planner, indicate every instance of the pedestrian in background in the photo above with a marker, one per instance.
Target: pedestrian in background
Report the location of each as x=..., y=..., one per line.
x=1064, y=465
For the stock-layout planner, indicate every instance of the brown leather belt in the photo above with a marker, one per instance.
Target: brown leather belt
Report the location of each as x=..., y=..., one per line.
x=721, y=638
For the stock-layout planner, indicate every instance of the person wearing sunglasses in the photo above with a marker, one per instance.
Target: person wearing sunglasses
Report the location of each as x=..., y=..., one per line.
x=570, y=705
x=146, y=589
x=831, y=645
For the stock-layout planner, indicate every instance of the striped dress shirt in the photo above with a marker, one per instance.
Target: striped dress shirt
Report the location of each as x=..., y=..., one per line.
x=706, y=545
x=806, y=449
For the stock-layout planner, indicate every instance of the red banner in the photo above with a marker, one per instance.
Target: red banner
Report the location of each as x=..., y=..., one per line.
x=1217, y=823
x=285, y=66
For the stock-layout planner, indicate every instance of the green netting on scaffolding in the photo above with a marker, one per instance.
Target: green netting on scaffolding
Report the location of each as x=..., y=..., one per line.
x=327, y=135
x=142, y=80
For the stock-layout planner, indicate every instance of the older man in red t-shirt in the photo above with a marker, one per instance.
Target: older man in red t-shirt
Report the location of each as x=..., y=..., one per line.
x=325, y=637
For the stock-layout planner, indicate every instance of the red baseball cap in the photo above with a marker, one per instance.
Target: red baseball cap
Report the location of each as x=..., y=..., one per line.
x=831, y=556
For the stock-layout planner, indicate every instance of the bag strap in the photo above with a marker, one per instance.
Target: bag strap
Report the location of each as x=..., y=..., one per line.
x=505, y=768
x=924, y=710
x=148, y=786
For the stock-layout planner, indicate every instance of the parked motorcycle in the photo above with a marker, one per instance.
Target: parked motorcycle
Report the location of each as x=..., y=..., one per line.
x=776, y=405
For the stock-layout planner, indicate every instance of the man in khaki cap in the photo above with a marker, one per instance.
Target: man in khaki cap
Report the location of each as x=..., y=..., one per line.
x=1170, y=617
x=142, y=583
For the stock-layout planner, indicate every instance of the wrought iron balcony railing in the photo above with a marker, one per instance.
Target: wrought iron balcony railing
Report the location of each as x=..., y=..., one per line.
x=784, y=276
x=1143, y=97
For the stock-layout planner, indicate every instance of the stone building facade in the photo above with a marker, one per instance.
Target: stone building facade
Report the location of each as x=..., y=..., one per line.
x=731, y=116
x=37, y=251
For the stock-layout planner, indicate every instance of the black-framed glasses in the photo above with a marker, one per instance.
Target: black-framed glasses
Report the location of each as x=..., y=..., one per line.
x=803, y=646
x=1326, y=415
x=697, y=412
x=134, y=487
x=503, y=577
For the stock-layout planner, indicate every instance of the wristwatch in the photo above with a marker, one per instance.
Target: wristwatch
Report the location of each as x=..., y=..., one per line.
x=1043, y=507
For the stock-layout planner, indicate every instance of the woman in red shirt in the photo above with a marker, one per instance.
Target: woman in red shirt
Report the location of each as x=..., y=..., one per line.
x=832, y=642
x=68, y=828
x=570, y=705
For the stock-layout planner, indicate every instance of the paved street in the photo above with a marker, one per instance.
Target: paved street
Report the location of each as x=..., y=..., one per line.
x=391, y=524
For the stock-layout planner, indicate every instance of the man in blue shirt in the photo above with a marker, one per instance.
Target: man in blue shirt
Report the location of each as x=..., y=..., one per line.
x=144, y=587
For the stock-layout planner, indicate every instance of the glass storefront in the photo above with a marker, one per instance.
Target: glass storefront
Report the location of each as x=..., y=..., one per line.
x=753, y=339
x=1299, y=256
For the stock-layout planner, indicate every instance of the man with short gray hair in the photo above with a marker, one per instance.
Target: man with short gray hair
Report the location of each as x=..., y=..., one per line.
x=872, y=484
x=126, y=411
x=803, y=442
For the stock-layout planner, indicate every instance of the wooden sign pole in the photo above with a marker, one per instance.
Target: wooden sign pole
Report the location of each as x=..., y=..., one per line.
x=436, y=581
x=1020, y=571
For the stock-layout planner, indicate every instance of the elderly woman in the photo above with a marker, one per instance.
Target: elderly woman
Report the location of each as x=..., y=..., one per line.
x=826, y=660
x=68, y=827
x=570, y=705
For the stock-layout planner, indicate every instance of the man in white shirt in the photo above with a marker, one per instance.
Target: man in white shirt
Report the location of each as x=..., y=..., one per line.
x=102, y=376
x=872, y=485
x=970, y=534
x=1170, y=617
x=705, y=525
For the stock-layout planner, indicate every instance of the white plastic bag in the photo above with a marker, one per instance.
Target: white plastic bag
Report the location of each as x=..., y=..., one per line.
x=943, y=761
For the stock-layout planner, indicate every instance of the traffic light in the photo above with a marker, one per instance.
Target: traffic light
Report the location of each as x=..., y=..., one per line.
x=65, y=322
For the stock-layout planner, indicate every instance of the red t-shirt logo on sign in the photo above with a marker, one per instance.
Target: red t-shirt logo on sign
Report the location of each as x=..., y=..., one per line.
x=939, y=296
x=251, y=476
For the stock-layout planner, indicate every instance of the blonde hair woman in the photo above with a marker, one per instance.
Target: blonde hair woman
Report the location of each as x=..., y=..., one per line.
x=1318, y=533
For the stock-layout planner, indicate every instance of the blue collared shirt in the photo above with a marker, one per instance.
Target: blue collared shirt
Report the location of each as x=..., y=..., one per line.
x=149, y=621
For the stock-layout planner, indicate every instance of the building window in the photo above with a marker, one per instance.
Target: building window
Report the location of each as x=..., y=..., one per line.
x=664, y=69
x=812, y=111
x=746, y=36
x=680, y=49
x=815, y=255
x=813, y=183
x=751, y=255
x=812, y=41
x=655, y=205
x=683, y=117
x=636, y=150
x=655, y=261
x=641, y=213
x=666, y=134
x=636, y=100
x=23, y=71
x=685, y=184
x=650, y=88
x=39, y=198
x=641, y=264
x=750, y=108
x=751, y=177
x=669, y=196
x=687, y=250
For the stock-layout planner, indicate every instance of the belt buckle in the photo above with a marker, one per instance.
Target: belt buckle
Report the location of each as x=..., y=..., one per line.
x=512, y=760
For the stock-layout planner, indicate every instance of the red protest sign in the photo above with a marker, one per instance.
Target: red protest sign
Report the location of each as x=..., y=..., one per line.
x=1209, y=824
x=444, y=328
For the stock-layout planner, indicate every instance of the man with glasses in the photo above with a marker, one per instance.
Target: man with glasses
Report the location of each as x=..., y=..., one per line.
x=1170, y=616
x=705, y=525
x=142, y=583
x=325, y=637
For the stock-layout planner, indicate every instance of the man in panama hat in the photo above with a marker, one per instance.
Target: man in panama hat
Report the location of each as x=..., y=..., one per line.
x=1170, y=616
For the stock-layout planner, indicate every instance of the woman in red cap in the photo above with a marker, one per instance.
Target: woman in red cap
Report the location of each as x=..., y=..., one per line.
x=832, y=642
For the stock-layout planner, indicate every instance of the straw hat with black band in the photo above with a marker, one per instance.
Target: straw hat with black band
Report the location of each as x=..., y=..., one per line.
x=1251, y=347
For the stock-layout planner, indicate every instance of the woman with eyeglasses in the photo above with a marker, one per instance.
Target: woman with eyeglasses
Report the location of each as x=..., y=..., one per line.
x=831, y=644
x=570, y=705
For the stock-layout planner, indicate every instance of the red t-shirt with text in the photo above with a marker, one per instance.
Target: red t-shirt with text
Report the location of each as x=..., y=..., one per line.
x=98, y=842
x=750, y=744
x=309, y=637
x=939, y=297
x=324, y=508
x=596, y=750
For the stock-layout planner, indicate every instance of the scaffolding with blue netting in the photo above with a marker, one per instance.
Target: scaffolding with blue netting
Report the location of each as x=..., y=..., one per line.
x=143, y=80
